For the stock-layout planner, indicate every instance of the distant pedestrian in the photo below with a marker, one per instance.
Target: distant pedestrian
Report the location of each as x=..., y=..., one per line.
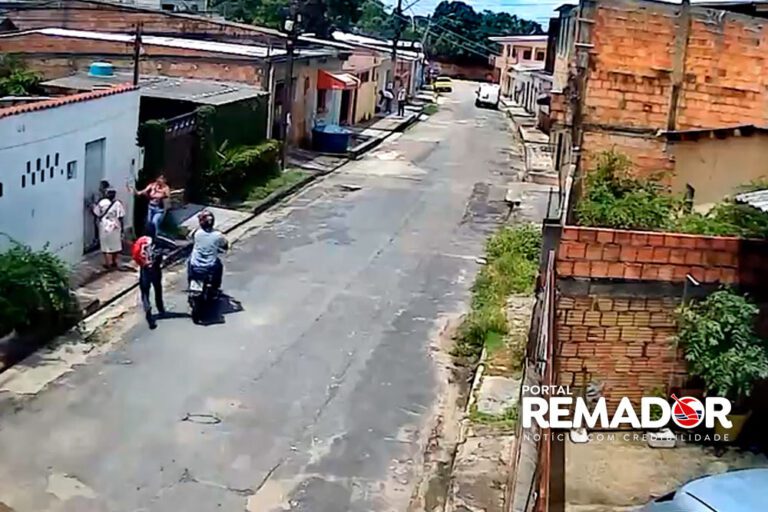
x=401, y=99
x=159, y=194
x=110, y=215
x=147, y=252
x=388, y=98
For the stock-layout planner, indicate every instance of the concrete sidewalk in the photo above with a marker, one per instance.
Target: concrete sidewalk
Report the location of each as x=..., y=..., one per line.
x=539, y=162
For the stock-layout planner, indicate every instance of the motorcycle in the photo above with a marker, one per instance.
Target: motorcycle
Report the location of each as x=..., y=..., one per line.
x=202, y=295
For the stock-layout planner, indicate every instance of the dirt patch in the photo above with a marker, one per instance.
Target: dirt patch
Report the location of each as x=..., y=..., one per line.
x=620, y=473
x=506, y=360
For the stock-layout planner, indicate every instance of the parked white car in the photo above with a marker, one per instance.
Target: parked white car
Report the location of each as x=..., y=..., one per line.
x=488, y=96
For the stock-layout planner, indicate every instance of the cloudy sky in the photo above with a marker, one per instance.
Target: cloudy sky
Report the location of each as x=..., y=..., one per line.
x=538, y=10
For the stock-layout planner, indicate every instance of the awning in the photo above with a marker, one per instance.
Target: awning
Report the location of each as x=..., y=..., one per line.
x=338, y=81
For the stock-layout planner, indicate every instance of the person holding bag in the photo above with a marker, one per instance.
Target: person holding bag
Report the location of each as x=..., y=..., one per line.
x=110, y=215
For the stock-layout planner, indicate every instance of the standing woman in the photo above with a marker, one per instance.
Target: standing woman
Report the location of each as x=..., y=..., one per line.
x=158, y=193
x=110, y=215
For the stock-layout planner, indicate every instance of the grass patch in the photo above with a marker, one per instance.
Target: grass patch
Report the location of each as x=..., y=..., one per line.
x=283, y=180
x=431, y=109
x=494, y=341
x=506, y=421
x=512, y=265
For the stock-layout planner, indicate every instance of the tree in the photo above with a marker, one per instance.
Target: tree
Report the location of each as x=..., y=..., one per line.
x=16, y=79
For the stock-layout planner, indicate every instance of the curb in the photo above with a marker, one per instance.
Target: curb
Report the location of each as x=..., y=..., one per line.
x=375, y=142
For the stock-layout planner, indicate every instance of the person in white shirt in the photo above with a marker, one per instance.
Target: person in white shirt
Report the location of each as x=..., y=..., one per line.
x=401, y=98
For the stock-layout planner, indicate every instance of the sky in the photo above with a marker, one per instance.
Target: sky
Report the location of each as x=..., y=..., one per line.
x=536, y=10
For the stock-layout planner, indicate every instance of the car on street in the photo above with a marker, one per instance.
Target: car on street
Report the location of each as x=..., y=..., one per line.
x=736, y=491
x=443, y=84
x=488, y=96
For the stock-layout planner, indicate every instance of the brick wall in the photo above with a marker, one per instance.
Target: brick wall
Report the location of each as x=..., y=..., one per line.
x=59, y=56
x=642, y=50
x=625, y=344
x=618, y=291
x=651, y=256
x=106, y=17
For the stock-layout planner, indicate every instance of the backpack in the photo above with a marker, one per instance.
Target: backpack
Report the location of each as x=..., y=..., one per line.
x=142, y=250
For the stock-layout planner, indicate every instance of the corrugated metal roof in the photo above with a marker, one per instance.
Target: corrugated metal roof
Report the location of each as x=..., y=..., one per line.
x=379, y=45
x=204, y=92
x=64, y=100
x=170, y=42
x=758, y=199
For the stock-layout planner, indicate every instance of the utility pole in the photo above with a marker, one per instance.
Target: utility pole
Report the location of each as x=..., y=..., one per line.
x=292, y=29
x=137, y=52
x=398, y=33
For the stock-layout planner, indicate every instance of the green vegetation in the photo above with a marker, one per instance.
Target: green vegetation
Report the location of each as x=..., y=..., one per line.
x=34, y=292
x=431, y=109
x=283, y=180
x=455, y=32
x=614, y=198
x=512, y=266
x=233, y=172
x=720, y=344
x=16, y=79
x=506, y=421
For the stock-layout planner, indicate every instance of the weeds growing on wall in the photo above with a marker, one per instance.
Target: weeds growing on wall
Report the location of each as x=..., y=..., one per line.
x=512, y=265
x=614, y=198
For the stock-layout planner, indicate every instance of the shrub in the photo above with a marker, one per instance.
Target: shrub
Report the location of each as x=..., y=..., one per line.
x=513, y=262
x=34, y=292
x=727, y=218
x=720, y=344
x=615, y=199
x=233, y=170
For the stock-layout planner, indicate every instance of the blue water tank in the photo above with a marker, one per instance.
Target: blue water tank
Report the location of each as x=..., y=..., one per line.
x=101, y=69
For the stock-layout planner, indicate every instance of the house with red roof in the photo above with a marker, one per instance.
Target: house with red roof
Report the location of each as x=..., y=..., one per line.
x=55, y=153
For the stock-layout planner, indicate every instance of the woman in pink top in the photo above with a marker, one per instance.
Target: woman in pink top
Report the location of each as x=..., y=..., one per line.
x=158, y=193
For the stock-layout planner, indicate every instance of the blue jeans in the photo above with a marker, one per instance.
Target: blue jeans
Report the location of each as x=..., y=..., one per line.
x=155, y=215
x=151, y=277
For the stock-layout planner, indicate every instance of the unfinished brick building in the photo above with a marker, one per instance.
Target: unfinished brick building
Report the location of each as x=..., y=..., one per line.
x=629, y=71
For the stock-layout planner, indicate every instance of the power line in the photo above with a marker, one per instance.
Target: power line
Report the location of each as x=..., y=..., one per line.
x=474, y=43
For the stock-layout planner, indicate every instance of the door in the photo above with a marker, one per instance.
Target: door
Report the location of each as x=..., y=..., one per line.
x=345, y=103
x=93, y=174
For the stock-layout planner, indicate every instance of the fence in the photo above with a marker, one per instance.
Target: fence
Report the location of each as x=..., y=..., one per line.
x=529, y=489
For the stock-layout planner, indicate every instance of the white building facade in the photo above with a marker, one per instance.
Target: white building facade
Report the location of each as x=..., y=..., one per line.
x=54, y=155
x=519, y=52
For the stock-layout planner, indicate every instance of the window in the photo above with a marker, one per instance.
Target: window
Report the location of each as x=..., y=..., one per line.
x=56, y=159
x=527, y=54
x=42, y=175
x=71, y=170
x=47, y=160
x=1, y=190
x=321, y=101
x=514, y=53
x=38, y=164
x=365, y=77
x=539, y=55
x=23, y=181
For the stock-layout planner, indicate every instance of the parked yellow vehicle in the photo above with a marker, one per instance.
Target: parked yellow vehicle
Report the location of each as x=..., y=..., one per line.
x=443, y=84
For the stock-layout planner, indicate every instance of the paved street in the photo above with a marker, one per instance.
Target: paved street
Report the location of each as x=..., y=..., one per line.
x=317, y=390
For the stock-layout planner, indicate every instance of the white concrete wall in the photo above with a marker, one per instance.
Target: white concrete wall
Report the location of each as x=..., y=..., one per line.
x=51, y=212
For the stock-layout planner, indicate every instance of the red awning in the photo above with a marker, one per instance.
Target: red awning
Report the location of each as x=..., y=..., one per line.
x=338, y=81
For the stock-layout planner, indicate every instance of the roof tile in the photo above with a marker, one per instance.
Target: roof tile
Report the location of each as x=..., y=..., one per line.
x=65, y=100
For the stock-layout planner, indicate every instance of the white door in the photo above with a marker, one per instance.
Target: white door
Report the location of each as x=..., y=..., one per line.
x=93, y=174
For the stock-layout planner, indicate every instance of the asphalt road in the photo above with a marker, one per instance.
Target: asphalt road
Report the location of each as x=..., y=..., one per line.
x=315, y=392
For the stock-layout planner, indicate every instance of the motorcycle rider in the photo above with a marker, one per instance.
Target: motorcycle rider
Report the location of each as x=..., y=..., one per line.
x=208, y=243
